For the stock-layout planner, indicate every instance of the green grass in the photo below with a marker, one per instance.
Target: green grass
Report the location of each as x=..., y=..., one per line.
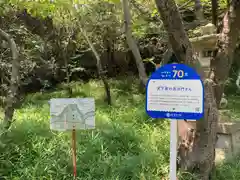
x=126, y=144
x=234, y=107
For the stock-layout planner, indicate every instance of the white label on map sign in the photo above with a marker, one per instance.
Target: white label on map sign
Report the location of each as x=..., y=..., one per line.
x=72, y=113
x=175, y=96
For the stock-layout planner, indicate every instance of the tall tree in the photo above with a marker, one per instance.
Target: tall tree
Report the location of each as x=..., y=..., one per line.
x=132, y=44
x=227, y=44
x=199, y=158
x=12, y=99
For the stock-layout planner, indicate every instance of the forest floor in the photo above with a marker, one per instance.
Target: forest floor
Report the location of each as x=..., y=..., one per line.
x=126, y=144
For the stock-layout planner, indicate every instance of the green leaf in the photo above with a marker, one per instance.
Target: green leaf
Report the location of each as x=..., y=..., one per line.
x=154, y=13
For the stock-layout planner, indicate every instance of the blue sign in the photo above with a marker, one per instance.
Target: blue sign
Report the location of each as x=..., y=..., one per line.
x=175, y=91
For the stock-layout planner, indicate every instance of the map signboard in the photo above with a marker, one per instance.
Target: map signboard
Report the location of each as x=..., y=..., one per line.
x=72, y=113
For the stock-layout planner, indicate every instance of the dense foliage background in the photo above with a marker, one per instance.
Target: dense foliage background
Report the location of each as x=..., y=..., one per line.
x=126, y=144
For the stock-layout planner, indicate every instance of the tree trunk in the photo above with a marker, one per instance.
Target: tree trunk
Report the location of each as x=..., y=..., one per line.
x=177, y=36
x=199, y=155
x=132, y=44
x=67, y=72
x=222, y=63
x=199, y=10
x=12, y=99
x=99, y=67
x=67, y=69
x=214, y=4
x=109, y=46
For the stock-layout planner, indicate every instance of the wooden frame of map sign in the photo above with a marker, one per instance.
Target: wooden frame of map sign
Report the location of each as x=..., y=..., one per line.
x=175, y=91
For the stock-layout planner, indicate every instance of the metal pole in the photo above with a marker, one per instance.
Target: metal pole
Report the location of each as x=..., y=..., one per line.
x=173, y=150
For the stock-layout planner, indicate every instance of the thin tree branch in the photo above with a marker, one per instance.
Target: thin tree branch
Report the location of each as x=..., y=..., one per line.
x=132, y=44
x=185, y=4
x=99, y=67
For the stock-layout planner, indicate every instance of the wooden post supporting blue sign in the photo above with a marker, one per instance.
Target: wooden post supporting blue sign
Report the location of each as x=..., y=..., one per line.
x=175, y=91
